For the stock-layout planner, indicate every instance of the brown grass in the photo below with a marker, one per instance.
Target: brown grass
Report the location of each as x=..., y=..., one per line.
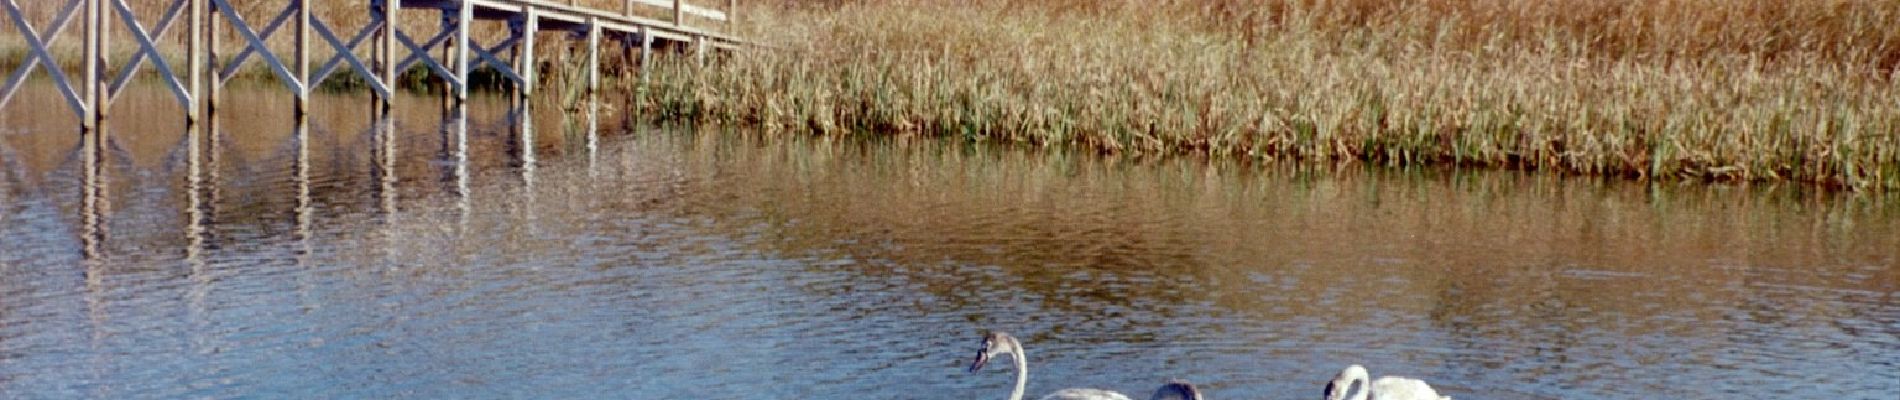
x=1742, y=90
x=1746, y=90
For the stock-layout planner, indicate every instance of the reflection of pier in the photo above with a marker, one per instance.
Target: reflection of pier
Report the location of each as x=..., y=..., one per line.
x=91, y=92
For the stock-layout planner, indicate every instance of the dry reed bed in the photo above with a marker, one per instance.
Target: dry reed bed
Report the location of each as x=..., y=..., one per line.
x=1801, y=90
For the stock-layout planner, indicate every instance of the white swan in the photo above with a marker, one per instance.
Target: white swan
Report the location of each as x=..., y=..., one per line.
x=998, y=344
x=1384, y=388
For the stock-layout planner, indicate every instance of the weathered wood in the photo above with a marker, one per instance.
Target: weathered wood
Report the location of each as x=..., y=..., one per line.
x=391, y=25
x=303, y=57
x=95, y=29
x=679, y=12
x=195, y=64
x=593, y=64
x=646, y=54
x=346, y=52
x=277, y=22
x=197, y=87
x=41, y=55
x=214, y=85
x=257, y=45
x=531, y=26
x=149, y=48
x=462, y=64
x=420, y=53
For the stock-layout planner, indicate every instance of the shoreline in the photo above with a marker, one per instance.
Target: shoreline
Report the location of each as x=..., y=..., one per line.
x=1775, y=92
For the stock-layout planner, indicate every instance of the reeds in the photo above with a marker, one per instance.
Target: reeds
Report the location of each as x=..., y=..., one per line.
x=1744, y=90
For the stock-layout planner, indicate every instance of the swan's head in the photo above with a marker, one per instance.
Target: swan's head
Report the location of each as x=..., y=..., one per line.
x=995, y=344
x=1177, y=390
x=1342, y=384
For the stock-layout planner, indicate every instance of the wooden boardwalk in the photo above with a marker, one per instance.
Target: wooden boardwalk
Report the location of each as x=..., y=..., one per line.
x=377, y=53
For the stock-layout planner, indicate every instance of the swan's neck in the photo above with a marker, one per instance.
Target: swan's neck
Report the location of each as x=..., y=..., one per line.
x=1022, y=370
x=1365, y=387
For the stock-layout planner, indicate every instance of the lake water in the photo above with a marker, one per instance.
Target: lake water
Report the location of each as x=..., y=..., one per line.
x=341, y=261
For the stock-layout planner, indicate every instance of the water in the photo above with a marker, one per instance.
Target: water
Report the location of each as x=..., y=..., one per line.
x=667, y=263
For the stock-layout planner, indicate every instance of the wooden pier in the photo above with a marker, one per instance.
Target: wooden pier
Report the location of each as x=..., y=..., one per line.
x=209, y=64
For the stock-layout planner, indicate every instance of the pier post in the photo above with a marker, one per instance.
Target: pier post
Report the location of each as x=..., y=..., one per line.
x=679, y=13
x=303, y=58
x=195, y=64
x=214, y=85
x=699, y=49
x=94, y=30
x=387, y=50
x=732, y=17
x=465, y=18
x=646, y=54
x=593, y=63
x=526, y=62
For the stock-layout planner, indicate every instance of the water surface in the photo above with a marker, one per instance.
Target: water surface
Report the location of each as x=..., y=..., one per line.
x=353, y=260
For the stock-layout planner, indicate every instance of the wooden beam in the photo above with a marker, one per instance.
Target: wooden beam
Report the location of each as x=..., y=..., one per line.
x=528, y=65
x=195, y=63
x=79, y=102
x=148, y=47
x=679, y=13
x=466, y=10
x=94, y=30
x=40, y=55
x=303, y=57
x=391, y=25
x=593, y=63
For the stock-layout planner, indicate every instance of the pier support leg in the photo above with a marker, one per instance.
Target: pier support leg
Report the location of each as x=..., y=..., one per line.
x=465, y=19
x=593, y=63
x=194, y=48
x=214, y=83
x=646, y=54
x=593, y=81
x=303, y=58
x=525, y=63
x=387, y=50
x=699, y=50
x=95, y=31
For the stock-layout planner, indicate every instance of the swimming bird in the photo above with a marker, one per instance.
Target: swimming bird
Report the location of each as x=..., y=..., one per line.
x=1384, y=388
x=998, y=344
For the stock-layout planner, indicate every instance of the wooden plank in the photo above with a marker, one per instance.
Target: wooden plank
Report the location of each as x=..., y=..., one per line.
x=391, y=24
x=347, y=52
x=646, y=54
x=214, y=86
x=94, y=30
x=336, y=59
x=593, y=62
x=462, y=64
x=230, y=69
x=257, y=43
x=611, y=22
x=303, y=55
x=146, y=46
x=195, y=64
x=73, y=98
x=487, y=56
x=420, y=53
x=532, y=26
x=60, y=21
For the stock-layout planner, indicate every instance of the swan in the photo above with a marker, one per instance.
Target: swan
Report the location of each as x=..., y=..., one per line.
x=997, y=344
x=1384, y=388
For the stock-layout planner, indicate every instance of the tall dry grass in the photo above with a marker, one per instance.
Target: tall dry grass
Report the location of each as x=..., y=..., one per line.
x=1800, y=90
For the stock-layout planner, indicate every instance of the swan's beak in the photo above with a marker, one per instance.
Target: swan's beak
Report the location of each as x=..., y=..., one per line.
x=982, y=357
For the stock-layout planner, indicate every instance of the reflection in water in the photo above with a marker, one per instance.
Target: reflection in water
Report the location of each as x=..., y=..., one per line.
x=681, y=265
x=384, y=172
x=457, y=126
